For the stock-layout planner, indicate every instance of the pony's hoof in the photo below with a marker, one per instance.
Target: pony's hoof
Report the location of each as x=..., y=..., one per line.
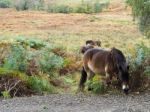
x=80, y=89
x=90, y=88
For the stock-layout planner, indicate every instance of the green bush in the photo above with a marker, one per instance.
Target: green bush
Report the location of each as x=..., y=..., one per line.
x=53, y=8
x=49, y=62
x=142, y=53
x=29, y=4
x=141, y=10
x=32, y=56
x=32, y=43
x=40, y=84
x=139, y=67
x=83, y=7
x=28, y=83
x=16, y=59
x=6, y=94
x=5, y=3
x=96, y=85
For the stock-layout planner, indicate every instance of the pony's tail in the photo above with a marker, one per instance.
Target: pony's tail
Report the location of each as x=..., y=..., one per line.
x=82, y=79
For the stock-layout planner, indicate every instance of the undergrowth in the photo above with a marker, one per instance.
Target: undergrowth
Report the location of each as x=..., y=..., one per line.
x=139, y=68
x=37, y=65
x=14, y=83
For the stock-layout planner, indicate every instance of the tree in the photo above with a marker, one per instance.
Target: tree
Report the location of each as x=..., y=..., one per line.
x=141, y=11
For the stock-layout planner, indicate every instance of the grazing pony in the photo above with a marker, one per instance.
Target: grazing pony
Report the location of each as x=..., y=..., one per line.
x=108, y=64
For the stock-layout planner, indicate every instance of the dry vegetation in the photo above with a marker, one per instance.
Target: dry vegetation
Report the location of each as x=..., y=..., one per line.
x=68, y=28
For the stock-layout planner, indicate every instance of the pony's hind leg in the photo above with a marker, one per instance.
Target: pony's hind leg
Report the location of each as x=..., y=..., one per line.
x=92, y=74
x=108, y=76
x=82, y=79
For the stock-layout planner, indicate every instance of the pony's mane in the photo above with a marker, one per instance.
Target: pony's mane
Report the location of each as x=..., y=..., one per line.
x=117, y=55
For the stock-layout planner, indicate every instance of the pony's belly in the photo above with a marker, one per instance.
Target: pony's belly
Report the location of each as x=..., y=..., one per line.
x=96, y=70
x=91, y=67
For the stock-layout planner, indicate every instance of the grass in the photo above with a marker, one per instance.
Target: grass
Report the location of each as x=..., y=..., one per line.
x=71, y=29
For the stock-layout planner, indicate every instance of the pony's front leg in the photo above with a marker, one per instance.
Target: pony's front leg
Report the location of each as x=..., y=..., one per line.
x=108, y=79
x=108, y=76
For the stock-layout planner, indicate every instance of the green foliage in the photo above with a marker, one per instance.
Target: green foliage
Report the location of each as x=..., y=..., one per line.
x=83, y=7
x=32, y=55
x=29, y=4
x=32, y=43
x=6, y=94
x=141, y=10
x=13, y=73
x=139, y=67
x=5, y=3
x=97, y=85
x=142, y=53
x=59, y=9
x=147, y=71
x=50, y=62
x=16, y=60
x=40, y=84
x=36, y=83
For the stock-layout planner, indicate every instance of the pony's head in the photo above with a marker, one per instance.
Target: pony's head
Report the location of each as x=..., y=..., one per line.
x=122, y=68
x=94, y=43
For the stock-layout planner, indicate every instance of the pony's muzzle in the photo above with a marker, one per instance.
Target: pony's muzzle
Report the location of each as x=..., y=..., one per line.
x=125, y=88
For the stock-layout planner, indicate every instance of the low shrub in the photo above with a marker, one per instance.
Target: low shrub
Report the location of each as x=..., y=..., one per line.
x=16, y=59
x=28, y=4
x=96, y=85
x=139, y=68
x=83, y=7
x=53, y=8
x=32, y=43
x=49, y=62
x=40, y=85
x=5, y=3
x=141, y=11
x=14, y=83
x=32, y=57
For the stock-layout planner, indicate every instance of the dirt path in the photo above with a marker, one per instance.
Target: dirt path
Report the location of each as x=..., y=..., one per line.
x=78, y=103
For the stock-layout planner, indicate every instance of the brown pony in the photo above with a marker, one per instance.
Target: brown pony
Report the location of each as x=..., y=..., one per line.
x=107, y=63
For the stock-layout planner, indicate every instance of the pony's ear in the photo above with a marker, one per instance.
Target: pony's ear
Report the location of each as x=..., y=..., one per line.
x=98, y=43
x=112, y=50
x=112, y=53
x=83, y=49
x=90, y=42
